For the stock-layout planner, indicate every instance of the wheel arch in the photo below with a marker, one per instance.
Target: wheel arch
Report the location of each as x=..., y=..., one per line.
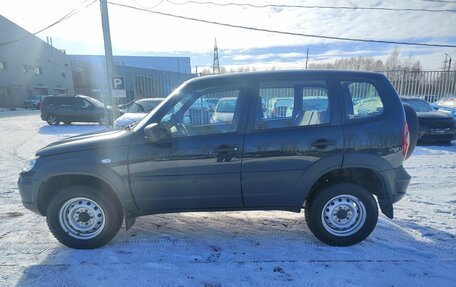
x=372, y=179
x=49, y=187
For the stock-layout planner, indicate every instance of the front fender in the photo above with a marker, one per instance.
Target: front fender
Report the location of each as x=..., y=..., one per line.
x=113, y=174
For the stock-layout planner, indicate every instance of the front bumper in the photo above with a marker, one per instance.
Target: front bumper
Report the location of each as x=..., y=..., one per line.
x=25, y=186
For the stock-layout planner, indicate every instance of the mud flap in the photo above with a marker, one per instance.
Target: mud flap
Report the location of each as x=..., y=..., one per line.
x=129, y=221
x=387, y=210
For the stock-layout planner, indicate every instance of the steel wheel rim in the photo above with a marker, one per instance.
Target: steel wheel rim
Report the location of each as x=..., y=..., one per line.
x=82, y=218
x=343, y=215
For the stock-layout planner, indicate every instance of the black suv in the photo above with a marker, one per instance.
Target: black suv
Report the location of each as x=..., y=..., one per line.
x=336, y=151
x=68, y=109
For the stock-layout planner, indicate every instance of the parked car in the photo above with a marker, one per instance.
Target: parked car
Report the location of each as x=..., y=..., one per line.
x=224, y=111
x=435, y=126
x=68, y=109
x=447, y=105
x=338, y=163
x=34, y=102
x=137, y=111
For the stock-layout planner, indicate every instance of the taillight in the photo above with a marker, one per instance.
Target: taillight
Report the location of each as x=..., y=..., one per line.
x=406, y=140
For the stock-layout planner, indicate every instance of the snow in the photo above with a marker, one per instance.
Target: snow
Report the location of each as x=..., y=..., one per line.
x=274, y=248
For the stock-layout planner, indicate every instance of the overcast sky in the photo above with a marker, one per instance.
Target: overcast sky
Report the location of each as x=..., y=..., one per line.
x=140, y=33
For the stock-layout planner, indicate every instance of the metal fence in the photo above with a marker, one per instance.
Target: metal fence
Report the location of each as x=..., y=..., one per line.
x=428, y=85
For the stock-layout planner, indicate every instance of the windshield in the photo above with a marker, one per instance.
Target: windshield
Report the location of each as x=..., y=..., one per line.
x=419, y=106
x=143, y=106
x=284, y=102
x=226, y=106
x=94, y=102
x=447, y=103
x=173, y=97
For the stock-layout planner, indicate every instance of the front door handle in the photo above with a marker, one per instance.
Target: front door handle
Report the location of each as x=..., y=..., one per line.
x=323, y=143
x=225, y=149
x=225, y=153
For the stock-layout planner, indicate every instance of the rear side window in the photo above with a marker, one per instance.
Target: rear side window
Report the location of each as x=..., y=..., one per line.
x=362, y=100
x=291, y=104
x=60, y=101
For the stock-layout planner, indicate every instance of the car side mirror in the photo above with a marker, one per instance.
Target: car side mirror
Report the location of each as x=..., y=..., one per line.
x=154, y=133
x=211, y=110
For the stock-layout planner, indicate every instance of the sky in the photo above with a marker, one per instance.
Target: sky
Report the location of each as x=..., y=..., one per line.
x=136, y=32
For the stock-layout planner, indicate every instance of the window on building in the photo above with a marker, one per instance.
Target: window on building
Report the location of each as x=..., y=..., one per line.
x=3, y=66
x=5, y=91
x=63, y=75
x=27, y=68
x=38, y=70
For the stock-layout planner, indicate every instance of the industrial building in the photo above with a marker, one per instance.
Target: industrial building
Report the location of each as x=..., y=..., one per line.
x=30, y=66
x=145, y=77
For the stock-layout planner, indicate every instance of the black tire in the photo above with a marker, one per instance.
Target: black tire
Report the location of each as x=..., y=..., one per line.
x=104, y=215
x=67, y=123
x=52, y=120
x=342, y=196
x=413, y=126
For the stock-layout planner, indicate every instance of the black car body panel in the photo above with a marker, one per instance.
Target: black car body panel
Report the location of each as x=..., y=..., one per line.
x=435, y=126
x=247, y=168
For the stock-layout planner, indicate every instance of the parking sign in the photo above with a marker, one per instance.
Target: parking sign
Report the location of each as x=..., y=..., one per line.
x=118, y=87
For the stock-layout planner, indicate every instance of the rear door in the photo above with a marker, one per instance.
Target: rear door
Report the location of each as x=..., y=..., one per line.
x=293, y=125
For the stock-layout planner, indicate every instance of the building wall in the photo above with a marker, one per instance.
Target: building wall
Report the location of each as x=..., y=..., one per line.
x=169, y=64
x=90, y=79
x=30, y=67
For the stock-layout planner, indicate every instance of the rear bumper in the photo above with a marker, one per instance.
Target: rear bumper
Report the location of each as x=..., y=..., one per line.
x=401, y=182
x=397, y=181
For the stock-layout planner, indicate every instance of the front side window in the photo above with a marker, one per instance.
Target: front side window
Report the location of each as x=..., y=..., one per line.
x=292, y=103
x=362, y=99
x=193, y=115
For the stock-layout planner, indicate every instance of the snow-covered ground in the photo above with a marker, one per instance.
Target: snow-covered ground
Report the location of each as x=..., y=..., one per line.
x=417, y=248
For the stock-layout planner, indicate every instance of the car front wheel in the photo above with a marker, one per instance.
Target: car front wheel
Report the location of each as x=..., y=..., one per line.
x=81, y=217
x=342, y=215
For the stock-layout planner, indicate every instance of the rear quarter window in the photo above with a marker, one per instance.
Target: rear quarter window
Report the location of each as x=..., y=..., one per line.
x=362, y=99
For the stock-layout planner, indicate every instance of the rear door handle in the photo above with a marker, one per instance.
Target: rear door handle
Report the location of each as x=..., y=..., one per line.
x=323, y=143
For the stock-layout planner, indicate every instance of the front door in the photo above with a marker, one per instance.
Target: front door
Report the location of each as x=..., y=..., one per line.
x=293, y=125
x=198, y=166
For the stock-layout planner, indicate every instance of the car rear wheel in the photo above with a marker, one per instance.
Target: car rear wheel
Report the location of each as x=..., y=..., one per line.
x=52, y=120
x=342, y=215
x=81, y=217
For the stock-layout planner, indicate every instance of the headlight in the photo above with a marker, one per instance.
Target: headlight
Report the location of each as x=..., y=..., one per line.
x=29, y=164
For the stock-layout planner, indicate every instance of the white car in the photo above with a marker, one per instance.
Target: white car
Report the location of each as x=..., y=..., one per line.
x=137, y=111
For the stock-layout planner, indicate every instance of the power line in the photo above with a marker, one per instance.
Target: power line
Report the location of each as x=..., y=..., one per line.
x=310, y=6
x=284, y=32
x=440, y=1
x=65, y=17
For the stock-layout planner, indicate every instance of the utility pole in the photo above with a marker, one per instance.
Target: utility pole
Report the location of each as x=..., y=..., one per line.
x=307, y=57
x=108, y=57
x=215, y=63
